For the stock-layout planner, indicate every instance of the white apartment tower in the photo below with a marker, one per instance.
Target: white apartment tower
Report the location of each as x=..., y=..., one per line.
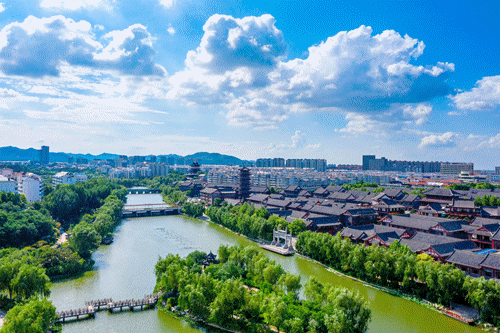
x=31, y=186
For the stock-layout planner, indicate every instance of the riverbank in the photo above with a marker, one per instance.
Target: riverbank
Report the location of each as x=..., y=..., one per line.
x=462, y=316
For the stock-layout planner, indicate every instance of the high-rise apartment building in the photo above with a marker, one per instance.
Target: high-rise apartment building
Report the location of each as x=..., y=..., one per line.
x=497, y=170
x=366, y=161
x=44, y=155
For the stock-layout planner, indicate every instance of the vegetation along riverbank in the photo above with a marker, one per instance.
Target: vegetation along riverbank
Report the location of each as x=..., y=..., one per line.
x=248, y=292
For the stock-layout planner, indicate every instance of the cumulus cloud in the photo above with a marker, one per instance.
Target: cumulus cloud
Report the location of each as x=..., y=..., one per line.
x=39, y=47
x=230, y=43
x=171, y=30
x=436, y=140
x=71, y=5
x=358, y=123
x=485, y=96
x=355, y=71
x=2, y=7
x=418, y=112
x=298, y=140
x=492, y=142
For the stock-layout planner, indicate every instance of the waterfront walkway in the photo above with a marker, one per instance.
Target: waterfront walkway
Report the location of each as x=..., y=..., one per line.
x=93, y=306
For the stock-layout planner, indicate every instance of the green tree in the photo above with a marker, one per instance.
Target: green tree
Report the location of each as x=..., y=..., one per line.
x=35, y=316
x=297, y=226
x=84, y=239
x=31, y=281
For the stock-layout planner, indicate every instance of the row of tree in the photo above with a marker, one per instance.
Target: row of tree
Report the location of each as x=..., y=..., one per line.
x=487, y=200
x=249, y=292
x=253, y=222
x=68, y=203
x=399, y=268
x=193, y=209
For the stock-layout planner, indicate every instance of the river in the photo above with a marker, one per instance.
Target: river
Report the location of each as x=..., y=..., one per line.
x=124, y=270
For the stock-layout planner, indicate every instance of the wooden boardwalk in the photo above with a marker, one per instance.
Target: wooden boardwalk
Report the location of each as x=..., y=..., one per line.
x=91, y=307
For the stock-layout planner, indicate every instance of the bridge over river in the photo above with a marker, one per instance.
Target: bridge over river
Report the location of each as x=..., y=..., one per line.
x=149, y=210
x=91, y=307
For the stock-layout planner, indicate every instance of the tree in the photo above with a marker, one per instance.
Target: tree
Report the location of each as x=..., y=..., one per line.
x=35, y=316
x=31, y=281
x=8, y=271
x=297, y=226
x=84, y=239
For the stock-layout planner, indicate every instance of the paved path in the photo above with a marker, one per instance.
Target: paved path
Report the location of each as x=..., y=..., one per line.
x=62, y=239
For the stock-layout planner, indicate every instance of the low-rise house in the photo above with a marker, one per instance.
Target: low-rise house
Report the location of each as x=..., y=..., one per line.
x=464, y=208
x=359, y=216
x=305, y=194
x=491, y=212
x=387, y=207
x=234, y=202
x=321, y=223
x=481, y=231
x=411, y=201
x=443, y=196
x=374, y=234
x=321, y=192
x=414, y=223
x=395, y=194
x=258, y=199
x=490, y=266
x=438, y=247
x=335, y=188
x=277, y=203
x=432, y=209
x=467, y=261
x=341, y=197
x=209, y=194
x=292, y=191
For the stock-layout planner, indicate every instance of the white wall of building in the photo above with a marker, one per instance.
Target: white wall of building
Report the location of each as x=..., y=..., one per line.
x=31, y=186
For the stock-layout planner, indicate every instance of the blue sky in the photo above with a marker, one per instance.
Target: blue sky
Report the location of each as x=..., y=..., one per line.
x=416, y=80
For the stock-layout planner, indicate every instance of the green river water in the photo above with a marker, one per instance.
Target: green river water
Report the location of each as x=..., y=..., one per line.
x=124, y=270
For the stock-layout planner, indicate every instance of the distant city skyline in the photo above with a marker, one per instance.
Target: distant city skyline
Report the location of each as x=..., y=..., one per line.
x=407, y=80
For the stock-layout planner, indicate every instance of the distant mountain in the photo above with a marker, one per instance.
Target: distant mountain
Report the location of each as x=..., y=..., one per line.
x=17, y=154
x=31, y=154
x=214, y=158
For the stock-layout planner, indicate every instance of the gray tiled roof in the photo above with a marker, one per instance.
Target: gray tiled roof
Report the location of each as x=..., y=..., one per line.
x=492, y=261
x=466, y=258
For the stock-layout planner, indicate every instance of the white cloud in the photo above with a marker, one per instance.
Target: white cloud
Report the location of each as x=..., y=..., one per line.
x=230, y=43
x=167, y=3
x=171, y=30
x=353, y=71
x=298, y=140
x=64, y=41
x=2, y=7
x=492, y=142
x=70, y=5
x=419, y=112
x=485, y=96
x=436, y=140
x=358, y=123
